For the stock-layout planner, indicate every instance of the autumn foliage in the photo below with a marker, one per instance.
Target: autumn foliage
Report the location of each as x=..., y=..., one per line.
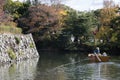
x=4, y=18
x=53, y=24
x=1, y=9
x=41, y=19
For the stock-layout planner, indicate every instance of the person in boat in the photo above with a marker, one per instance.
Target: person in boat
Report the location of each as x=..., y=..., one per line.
x=104, y=54
x=97, y=51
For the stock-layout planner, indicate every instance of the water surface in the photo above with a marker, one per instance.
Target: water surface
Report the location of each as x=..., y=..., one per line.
x=60, y=66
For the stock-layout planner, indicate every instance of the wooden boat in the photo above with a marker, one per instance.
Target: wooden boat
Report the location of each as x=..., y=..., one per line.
x=98, y=58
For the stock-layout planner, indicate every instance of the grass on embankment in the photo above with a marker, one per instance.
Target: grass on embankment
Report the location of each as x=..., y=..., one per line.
x=10, y=29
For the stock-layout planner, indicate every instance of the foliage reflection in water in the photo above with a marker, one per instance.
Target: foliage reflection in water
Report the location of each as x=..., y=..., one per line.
x=58, y=66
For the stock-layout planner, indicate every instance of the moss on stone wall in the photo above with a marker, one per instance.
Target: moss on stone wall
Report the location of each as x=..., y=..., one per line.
x=17, y=40
x=11, y=54
x=17, y=47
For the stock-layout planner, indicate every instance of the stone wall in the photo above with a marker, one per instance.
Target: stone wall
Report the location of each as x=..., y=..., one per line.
x=17, y=47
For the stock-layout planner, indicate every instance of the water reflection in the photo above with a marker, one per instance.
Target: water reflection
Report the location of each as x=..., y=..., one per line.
x=23, y=70
x=58, y=66
x=105, y=71
x=75, y=67
x=92, y=71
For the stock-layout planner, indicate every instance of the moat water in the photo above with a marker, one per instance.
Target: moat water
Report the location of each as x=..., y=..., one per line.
x=61, y=66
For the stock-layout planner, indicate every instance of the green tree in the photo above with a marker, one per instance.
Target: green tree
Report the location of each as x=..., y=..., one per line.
x=16, y=9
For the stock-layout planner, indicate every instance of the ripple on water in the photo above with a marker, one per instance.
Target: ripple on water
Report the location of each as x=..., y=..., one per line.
x=88, y=71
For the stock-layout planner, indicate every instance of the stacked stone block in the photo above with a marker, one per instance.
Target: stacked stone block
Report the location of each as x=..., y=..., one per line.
x=17, y=47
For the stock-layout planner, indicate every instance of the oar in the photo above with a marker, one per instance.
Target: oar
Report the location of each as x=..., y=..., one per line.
x=97, y=57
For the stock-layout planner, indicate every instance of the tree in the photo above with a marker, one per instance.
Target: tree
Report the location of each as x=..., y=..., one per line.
x=41, y=20
x=49, y=2
x=1, y=10
x=115, y=26
x=74, y=27
x=106, y=15
x=16, y=9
